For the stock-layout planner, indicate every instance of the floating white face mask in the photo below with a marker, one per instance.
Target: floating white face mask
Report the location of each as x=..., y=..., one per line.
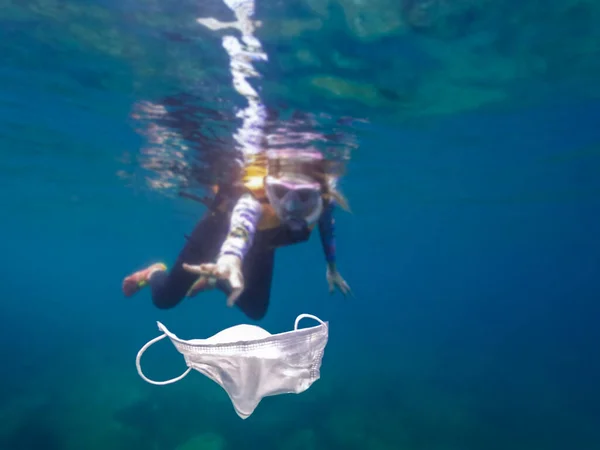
x=250, y=363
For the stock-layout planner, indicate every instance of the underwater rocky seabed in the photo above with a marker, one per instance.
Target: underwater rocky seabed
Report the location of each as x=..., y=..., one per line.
x=389, y=59
x=101, y=403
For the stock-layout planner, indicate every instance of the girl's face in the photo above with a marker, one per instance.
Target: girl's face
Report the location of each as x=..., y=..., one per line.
x=294, y=197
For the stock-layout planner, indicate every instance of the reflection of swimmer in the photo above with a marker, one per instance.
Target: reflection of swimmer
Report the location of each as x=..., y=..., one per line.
x=284, y=195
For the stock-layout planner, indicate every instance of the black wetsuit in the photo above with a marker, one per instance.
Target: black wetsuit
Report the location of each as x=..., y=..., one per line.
x=203, y=245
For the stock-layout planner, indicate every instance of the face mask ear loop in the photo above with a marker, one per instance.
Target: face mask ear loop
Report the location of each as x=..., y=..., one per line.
x=306, y=316
x=139, y=367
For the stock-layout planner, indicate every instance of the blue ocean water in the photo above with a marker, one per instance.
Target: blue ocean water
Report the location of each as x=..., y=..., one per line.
x=472, y=248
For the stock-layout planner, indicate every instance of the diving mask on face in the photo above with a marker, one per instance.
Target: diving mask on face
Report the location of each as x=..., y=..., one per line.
x=294, y=199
